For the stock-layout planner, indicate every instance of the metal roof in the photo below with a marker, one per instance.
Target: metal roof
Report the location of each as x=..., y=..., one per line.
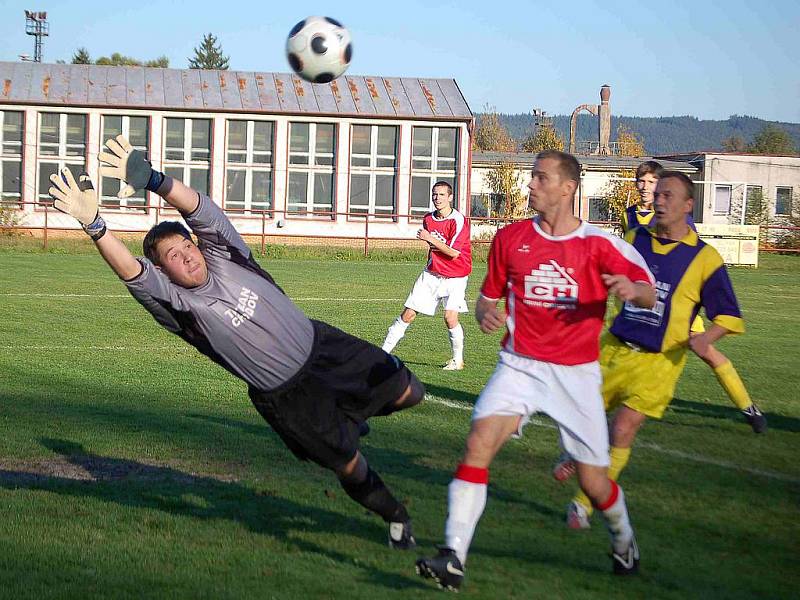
x=591, y=162
x=229, y=91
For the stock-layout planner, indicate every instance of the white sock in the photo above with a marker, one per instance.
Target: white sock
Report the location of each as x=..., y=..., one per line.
x=457, y=342
x=617, y=520
x=465, y=504
x=396, y=332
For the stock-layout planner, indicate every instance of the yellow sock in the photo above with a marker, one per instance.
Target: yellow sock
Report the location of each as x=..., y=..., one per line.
x=619, y=458
x=732, y=384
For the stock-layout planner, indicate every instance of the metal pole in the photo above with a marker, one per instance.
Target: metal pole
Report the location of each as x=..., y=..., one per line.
x=263, y=229
x=366, y=235
x=45, y=226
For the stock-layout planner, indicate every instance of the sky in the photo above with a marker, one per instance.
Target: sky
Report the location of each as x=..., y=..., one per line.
x=708, y=58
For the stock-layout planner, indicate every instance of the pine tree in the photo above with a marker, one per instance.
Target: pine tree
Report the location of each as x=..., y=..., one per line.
x=208, y=55
x=81, y=57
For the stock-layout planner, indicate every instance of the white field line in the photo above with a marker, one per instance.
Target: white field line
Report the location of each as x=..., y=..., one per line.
x=106, y=296
x=698, y=458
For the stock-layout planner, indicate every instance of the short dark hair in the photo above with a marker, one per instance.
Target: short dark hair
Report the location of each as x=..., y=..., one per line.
x=158, y=233
x=444, y=184
x=568, y=165
x=649, y=166
x=683, y=178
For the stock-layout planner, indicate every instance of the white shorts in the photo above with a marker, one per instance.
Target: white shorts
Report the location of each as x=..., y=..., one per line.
x=431, y=289
x=568, y=394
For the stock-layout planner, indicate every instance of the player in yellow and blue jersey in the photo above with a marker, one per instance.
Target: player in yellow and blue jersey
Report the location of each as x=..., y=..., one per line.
x=641, y=214
x=644, y=351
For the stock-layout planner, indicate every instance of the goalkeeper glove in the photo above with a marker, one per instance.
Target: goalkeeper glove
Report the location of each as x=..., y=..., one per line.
x=78, y=199
x=130, y=165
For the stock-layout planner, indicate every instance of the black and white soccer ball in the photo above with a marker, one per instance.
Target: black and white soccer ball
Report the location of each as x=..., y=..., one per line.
x=319, y=49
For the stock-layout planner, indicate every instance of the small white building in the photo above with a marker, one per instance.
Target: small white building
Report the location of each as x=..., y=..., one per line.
x=279, y=154
x=726, y=181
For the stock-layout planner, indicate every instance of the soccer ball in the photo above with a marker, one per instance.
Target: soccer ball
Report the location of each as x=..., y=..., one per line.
x=319, y=49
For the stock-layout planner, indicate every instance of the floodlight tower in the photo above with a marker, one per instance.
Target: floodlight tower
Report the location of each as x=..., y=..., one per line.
x=36, y=25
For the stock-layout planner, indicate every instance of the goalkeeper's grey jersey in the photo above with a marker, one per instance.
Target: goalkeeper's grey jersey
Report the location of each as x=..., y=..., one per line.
x=239, y=318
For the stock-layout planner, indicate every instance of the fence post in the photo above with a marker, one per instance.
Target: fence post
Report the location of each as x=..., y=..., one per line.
x=366, y=235
x=45, y=226
x=263, y=231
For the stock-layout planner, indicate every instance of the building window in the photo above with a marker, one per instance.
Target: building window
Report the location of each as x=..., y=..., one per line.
x=312, y=154
x=434, y=157
x=373, y=163
x=783, y=201
x=598, y=209
x=137, y=132
x=187, y=151
x=248, y=166
x=11, y=123
x=722, y=199
x=62, y=143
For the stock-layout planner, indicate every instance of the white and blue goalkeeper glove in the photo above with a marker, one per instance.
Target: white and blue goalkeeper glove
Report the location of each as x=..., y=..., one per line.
x=78, y=199
x=126, y=163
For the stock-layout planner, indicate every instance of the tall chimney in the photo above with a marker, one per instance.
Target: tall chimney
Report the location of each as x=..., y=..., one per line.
x=604, y=124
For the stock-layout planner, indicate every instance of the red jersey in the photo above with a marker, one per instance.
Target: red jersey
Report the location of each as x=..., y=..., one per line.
x=453, y=230
x=555, y=297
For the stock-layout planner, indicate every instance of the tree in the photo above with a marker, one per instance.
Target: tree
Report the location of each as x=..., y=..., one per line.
x=505, y=181
x=630, y=143
x=120, y=60
x=772, y=140
x=545, y=137
x=208, y=55
x=81, y=57
x=619, y=195
x=735, y=143
x=490, y=134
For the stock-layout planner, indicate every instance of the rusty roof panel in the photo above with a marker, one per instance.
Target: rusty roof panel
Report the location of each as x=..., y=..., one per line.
x=134, y=85
x=247, y=90
x=154, y=87
x=78, y=85
x=342, y=96
x=305, y=95
x=209, y=87
x=228, y=91
x=287, y=98
x=435, y=98
x=192, y=88
x=419, y=102
x=455, y=99
x=97, y=84
x=361, y=96
x=324, y=96
x=267, y=91
x=397, y=96
x=116, y=90
x=173, y=88
x=59, y=83
x=380, y=97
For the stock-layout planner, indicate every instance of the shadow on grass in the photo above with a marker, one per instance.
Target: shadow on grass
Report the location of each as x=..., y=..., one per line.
x=138, y=485
x=731, y=413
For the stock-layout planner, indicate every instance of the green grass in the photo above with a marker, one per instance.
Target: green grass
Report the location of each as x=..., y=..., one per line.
x=131, y=467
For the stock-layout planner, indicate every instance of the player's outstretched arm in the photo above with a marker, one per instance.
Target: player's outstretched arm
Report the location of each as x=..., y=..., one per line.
x=124, y=162
x=639, y=293
x=78, y=199
x=487, y=315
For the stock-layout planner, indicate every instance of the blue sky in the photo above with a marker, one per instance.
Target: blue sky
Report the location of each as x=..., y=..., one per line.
x=707, y=58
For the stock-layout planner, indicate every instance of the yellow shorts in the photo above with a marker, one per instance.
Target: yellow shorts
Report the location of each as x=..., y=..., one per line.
x=697, y=325
x=643, y=381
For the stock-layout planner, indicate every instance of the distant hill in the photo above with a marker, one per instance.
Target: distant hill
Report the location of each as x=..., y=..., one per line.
x=662, y=135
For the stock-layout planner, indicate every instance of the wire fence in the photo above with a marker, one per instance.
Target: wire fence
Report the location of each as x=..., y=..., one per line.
x=266, y=226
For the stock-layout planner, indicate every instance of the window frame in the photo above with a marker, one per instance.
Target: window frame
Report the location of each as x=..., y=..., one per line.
x=61, y=159
x=311, y=169
x=778, y=189
x=187, y=166
x=112, y=202
x=373, y=171
x=250, y=167
x=11, y=199
x=435, y=173
x=714, y=207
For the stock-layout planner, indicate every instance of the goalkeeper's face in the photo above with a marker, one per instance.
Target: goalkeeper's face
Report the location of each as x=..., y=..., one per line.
x=181, y=261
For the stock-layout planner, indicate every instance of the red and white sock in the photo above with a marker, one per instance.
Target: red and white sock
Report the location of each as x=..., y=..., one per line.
x=615, y=513
x=466, y=499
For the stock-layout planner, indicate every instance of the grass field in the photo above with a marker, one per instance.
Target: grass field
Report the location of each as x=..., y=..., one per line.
x=132, y=467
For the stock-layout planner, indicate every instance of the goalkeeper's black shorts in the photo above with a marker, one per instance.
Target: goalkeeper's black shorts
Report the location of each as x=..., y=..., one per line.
x=345, y=381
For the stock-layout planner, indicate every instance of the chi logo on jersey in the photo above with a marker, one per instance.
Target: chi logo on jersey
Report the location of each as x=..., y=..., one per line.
x=438, y=236
x=244, y=309
x=551, y=286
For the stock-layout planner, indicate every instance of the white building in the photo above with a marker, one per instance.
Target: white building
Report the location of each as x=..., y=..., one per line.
x=726, y=180
x=273, y=150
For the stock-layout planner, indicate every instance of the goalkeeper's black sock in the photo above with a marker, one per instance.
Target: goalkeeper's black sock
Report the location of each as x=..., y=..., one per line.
x=373, y=494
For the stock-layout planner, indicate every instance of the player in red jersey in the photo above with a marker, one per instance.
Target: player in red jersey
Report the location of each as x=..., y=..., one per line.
x=555, y=273
x=444, y=279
